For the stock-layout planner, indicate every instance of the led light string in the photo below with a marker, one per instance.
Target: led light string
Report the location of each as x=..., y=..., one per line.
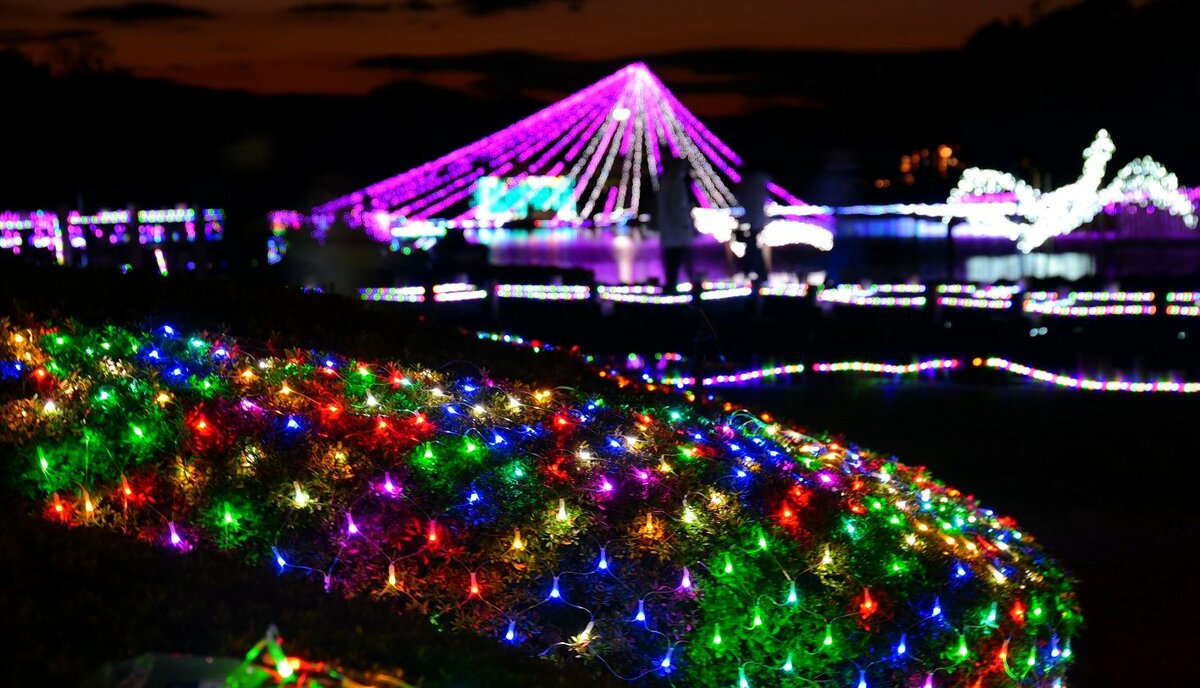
x=650, y=537
x=1089, y=384
x=754, y=375
x=1090, y=304
x=1081, y=304
x=1183, y=303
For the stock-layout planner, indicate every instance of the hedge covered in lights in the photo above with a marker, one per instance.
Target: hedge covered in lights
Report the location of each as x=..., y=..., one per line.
x=651, y=539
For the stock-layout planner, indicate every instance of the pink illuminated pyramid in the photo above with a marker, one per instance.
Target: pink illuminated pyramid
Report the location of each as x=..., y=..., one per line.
x=590, y=159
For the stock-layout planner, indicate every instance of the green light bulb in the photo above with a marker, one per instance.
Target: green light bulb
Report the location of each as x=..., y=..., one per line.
x=716, y=635
x=962, y=646
x=728, y=564
x=828, y=635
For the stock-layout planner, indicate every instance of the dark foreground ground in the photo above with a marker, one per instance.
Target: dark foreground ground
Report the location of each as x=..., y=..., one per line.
x=1106, y=481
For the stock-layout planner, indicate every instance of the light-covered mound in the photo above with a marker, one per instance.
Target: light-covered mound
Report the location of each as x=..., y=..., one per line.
x=651, y=538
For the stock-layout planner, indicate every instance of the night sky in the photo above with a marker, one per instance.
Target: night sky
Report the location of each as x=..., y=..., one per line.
x=291, y=46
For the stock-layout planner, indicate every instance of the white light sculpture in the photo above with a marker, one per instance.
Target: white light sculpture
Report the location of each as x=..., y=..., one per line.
x=1039, y=216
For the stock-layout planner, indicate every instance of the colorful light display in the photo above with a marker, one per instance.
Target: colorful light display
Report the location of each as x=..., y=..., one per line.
x=643, y=294
x=649, y=538
x=500, y=200
x=774, y=372
x=1183, y=303
x=1074, y=304
x=887, y=368
x=266, y=664
x=38, y=229
x=447, y=293
x=1041, y=216
x=778, y=371
x=1084, y=383
x=589, y=159
x=543, y=292
x=794, y=290
x=1087, y=304
x=971, y=296
x=875, y=295
x=282, y=222
x=152, y=226
x=44, y=230
x=393, y=294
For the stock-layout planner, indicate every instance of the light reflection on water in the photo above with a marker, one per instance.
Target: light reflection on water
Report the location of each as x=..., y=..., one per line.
x=867, y=248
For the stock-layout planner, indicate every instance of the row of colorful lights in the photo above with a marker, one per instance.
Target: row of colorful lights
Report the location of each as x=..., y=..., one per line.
x=648, y=538
x=1084, y=383
x=44, y=230
x=1078, y=304
x=1183, y=303
x=875, y=295
x=909, y=296
x=773, y=372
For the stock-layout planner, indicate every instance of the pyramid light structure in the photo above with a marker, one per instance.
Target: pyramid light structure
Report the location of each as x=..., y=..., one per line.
x=590, y=159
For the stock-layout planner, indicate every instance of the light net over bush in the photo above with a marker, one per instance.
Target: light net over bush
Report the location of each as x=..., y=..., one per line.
x=650, y=538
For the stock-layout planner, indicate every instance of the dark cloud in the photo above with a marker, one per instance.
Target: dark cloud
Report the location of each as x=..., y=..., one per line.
x=501, y=71
x=472, y=7
x=479, y=7
x=338, y=8
x=140, y=12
